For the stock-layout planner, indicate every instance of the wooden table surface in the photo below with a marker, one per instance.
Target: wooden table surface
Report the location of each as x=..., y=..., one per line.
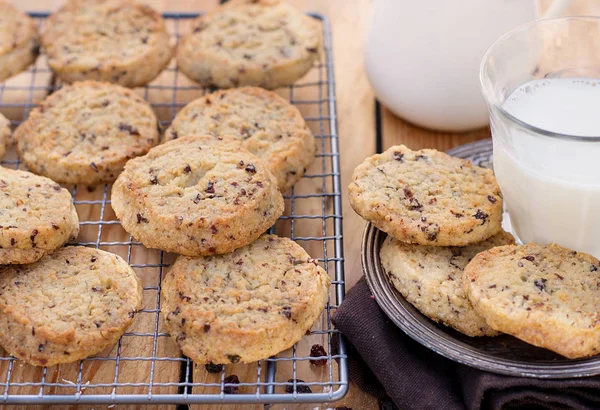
x=364, y=128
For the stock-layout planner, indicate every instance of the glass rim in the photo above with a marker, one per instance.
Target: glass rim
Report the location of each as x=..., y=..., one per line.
x=486, y=85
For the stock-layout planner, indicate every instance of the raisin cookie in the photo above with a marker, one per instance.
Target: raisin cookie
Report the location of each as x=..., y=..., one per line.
x=118, y=41
x=86, y=132
x=545, y=295
x=430, y=278
x=266, y=124
x=5, y=134
x=266, y=43
x=36, y=216
x=67, y=306
x=427, y=197
x=19, y=41
x=197, y=196
x=244, y=306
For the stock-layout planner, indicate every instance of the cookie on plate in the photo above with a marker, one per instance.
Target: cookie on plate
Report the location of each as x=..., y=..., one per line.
x=430, y=278
x=427, y=197
x=36, y=216
x=266, y=43
x=19, y=40
x=266, y=124
x=244, y=306
x=118, y=41
x=5, y=134
x=86, y=132
x=197, y=196
x=67, y=306
x=545, y=295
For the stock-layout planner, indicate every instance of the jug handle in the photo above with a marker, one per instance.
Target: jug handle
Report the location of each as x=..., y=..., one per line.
x=556, y=9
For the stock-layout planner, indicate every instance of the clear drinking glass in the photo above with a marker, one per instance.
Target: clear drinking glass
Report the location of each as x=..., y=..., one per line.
x=550, y=181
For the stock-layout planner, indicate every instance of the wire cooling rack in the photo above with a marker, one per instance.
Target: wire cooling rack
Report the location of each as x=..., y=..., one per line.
x=146, y=367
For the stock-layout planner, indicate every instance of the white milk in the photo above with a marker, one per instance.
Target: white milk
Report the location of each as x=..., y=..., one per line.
x=552, y=186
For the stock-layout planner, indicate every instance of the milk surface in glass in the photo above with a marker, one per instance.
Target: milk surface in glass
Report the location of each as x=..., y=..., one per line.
x=551, y=186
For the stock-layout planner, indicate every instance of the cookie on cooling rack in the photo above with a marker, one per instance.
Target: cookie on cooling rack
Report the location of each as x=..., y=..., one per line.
x=19, y=40
x=5, y=134
x=86, y=132
x=266, y=43
x=544, y=295
x=36, y=216
x=266, y=124
x=67, y=306
x=197, y=196
x=427, y=197
x=118, y=41
x=244, y=306
x=430, y=278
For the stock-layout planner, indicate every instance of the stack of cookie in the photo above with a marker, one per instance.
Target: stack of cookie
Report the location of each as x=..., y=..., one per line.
x=447, y=254
x=208, y=193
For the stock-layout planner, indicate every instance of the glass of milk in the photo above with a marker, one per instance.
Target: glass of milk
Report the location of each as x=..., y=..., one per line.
x=542, y=86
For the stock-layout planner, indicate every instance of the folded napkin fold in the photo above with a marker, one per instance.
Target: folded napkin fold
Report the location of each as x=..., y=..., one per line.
x=384, y=360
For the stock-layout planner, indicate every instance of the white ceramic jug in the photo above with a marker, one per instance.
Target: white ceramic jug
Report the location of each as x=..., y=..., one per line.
x=422, y=56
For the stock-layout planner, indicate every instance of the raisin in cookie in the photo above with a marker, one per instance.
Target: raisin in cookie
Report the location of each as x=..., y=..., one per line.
x=19, y=41
x=86, y=132
x=545, y=295
x=266, y=43
x=266, y=124
x=117, y=41
x=430, y=278
x=36, y=216
x=5, y=134
x=67, y=306
x=244, y=306
x=427, y=197
x=197, y=196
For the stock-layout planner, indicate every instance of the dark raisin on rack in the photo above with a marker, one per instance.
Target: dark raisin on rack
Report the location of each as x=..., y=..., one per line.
x=318, y=351
x=300, y=386
x=213, y=368
x=232, y=379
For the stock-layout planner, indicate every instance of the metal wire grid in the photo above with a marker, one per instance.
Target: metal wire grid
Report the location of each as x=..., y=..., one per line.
x=142, y=364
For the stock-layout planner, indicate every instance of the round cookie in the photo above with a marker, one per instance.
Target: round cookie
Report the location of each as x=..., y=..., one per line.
x=36, y=216
x=544, y=295
x=5, y=134
x=266, y=124
x=117, y=41
x=266, y=43
x=427, y=197
x=244, y=306
x=86, y=132
x=430, y=278
x=197, y=196
x=19, y=40
x=67, y=306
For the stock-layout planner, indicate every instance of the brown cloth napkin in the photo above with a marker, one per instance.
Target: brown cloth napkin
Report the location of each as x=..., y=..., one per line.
x=383, y=360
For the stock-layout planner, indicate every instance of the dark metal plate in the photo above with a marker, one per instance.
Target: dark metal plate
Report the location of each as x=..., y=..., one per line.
x=503, y=354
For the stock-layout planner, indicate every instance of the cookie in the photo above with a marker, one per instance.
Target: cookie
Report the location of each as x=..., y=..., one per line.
x=67, y=306
x=430, y=278
x=266, y=43
x=427, y=197
x=266, y=124
x=86, y=132
x=544, y=295
x=5, y=134
x=197, y=196
x=117, y=41
x=36, y=216
x=244, y=306
x=19, y=41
